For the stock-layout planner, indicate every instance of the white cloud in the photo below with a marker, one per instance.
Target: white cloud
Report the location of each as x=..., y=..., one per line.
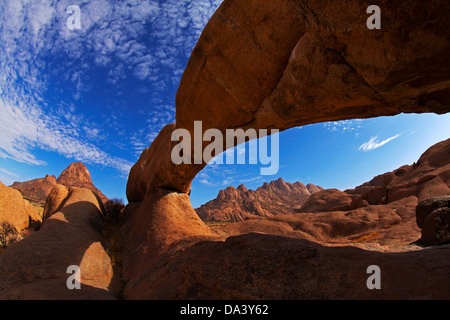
x=129, y=38
x=375, y=143
x=344, y=126
x=156, y=119
x=9, y=173
x=253, y=179
x=207, y=182
x=24, y=131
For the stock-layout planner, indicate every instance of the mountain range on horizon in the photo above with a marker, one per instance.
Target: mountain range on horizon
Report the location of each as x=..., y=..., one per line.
x=237, y=204
x=281, y=197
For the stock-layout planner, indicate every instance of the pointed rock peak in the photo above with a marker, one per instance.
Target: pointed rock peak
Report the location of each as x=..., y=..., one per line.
x=265, y=185
x=299, y=184
x=50, y=178
x=242, y=188
x=227, y=190
x=75, y=172
x=221, y=194
x=278, y=181
x=229, y=193
x=281, y=184
x=313, y=188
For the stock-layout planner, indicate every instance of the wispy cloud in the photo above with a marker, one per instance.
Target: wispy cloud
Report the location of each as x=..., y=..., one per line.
x=375, y=143
x=252, y=180
x=22, y=132
x=9, y=173
x=353, y=125
x=145, y=42
x=156, y=119
x=215, y=175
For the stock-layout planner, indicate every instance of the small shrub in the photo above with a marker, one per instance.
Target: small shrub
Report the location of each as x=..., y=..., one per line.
x=113, y=215
x=113, y=212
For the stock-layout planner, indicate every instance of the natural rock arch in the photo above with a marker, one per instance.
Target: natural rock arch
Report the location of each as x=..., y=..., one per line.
x=280, y=64
x=284, y=63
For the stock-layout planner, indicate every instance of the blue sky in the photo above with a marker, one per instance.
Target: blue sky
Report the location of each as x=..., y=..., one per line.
x=101, y=94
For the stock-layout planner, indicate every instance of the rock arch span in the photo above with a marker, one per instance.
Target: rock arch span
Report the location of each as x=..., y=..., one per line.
x=279, y=64
x=285, y=63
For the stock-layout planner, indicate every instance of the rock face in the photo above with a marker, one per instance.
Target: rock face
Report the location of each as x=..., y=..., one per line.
x=429, y=177
x=165, y=221
x=15, y=210
x=37, y=189
x=321, y=252
x=280, y=64
x=77, y=175
x=54, y=200
x=36, y=267
x=327, y=200
x=276, y=197
x=265, y=266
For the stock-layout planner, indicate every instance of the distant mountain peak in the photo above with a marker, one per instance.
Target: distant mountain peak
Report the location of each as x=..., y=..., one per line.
x=75, y=173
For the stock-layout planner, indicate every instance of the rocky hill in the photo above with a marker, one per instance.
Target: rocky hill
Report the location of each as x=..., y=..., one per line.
x=237, y=204
x=75, y=175
x=428, y=177
x=36, y=189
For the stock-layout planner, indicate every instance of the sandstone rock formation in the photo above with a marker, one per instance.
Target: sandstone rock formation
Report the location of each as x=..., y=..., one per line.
x=323, y=250
x=280, y=64
x=327, y=200
x=285, y=63
x=428, y=177
x=36, y=267
x=237, y=204
x=54, y=200
x=15, y=210
x=433, y=217
x=77, y=175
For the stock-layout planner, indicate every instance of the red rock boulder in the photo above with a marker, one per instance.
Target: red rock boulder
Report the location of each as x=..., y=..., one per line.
x=433, y=217
x=327, y=200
